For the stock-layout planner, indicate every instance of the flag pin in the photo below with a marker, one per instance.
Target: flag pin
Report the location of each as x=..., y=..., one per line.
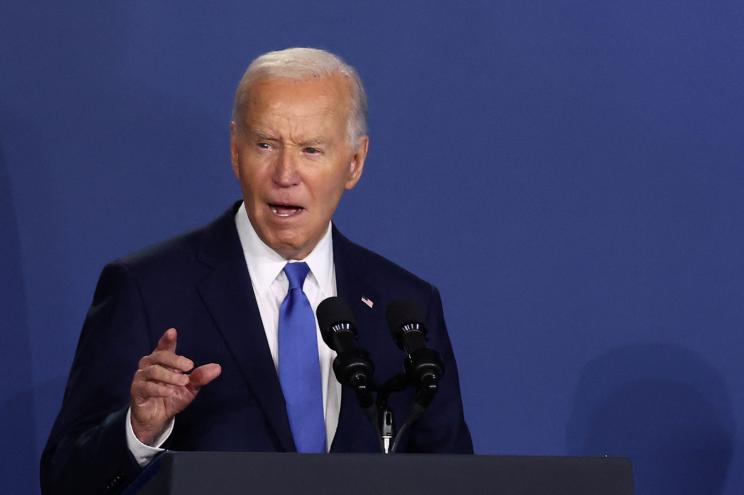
x=367, y=301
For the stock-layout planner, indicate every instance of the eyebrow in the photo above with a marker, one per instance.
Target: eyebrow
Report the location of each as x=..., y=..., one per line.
x=313, y=142
x=265, y=136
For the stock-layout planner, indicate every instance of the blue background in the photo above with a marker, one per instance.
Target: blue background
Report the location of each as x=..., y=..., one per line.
x=569, y=173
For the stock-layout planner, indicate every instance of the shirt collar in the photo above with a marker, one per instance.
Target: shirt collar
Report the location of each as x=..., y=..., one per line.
x=265, y=264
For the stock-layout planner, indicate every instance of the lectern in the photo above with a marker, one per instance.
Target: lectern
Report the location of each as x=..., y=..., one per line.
x=227, y=473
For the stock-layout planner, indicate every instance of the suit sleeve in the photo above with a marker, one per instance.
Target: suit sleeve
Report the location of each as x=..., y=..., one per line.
x=87, y=450
x=442, y=429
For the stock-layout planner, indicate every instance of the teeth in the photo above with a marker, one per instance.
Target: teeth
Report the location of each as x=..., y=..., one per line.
x=284, y=211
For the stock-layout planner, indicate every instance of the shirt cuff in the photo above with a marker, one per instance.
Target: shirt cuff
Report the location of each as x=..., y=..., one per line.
x=142, y=453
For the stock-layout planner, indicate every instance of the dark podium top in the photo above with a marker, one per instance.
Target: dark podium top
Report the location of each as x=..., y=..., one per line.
x=228, y=473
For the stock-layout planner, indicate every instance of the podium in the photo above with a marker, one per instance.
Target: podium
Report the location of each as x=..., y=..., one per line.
x=233, y=473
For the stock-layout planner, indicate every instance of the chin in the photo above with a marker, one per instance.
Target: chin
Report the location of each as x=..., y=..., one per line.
x=289, y=247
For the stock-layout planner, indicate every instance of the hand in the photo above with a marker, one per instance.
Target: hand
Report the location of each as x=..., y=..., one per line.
x=161, y=389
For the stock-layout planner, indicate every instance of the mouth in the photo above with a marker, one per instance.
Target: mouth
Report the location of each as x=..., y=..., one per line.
x=285, y=210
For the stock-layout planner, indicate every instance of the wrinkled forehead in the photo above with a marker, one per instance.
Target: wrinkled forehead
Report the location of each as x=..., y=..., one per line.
x=297, y=109
x=331, y=93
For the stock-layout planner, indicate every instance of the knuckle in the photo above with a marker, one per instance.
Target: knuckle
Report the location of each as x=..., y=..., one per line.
x=155, y=372
x=163, y=357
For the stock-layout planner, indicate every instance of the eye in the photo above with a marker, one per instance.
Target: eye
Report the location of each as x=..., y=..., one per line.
x=264, y=146
x=311, y=150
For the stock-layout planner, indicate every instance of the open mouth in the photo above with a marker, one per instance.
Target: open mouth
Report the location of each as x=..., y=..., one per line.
x=285, y=210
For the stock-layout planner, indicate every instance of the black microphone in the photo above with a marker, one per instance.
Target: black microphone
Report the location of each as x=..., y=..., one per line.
x=424, y=367
x=352, y=366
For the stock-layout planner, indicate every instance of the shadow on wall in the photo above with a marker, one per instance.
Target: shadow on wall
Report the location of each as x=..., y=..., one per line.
x=16, y=389
x=665, y=408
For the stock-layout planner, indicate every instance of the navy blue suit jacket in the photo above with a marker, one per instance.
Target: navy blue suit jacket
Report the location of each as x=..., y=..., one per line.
x=199, y=284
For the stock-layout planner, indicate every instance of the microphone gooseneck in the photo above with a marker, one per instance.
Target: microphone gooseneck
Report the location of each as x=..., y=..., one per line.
x=424, y=368
x=352, y=365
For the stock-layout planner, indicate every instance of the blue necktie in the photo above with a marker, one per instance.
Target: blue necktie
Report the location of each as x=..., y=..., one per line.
x=299, y=367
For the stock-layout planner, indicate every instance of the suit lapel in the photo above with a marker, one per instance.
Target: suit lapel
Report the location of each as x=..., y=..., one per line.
x=229, y=297
x=354, y=432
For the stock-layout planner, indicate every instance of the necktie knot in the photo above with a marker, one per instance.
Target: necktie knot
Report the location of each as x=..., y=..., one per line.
x=296, y=273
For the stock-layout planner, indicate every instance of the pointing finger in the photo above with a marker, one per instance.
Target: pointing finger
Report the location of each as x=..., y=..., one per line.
x=167, y=341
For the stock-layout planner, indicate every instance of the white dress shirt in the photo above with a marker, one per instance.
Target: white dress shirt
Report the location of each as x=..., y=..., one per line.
x=270, y=285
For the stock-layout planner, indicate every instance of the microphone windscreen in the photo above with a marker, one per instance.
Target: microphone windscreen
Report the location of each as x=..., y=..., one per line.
x=402, y=312
x=331, y=312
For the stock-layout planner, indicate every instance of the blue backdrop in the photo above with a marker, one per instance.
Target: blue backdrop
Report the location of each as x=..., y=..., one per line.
x=569, y=173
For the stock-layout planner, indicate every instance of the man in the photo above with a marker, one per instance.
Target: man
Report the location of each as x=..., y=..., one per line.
x=197, y=344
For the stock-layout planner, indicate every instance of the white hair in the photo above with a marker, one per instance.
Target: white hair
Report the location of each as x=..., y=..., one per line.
x=301, y=64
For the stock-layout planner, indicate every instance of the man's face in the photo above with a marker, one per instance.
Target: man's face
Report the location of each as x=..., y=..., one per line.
x=293, y=158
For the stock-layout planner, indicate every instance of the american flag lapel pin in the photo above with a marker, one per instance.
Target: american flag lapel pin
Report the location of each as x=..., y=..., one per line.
x=366, y=300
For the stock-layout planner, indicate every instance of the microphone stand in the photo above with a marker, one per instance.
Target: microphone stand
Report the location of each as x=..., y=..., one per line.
x=427, y=389
x=424, y=395
x=354, y=369
x=386, y=427
x=363, y=391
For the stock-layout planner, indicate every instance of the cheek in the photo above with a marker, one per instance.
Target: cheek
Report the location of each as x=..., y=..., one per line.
x=251, y=176
x=330, y=191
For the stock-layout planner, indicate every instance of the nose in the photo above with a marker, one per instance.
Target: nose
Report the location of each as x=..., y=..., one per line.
x=285, y=169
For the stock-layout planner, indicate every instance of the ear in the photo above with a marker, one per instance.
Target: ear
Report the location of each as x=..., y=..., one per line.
x=356, y=165
x=234, y=155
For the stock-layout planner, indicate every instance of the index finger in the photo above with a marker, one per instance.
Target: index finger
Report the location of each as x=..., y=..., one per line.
x=167, y=341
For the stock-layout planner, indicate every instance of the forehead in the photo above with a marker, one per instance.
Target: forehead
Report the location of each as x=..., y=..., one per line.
x=318, y=101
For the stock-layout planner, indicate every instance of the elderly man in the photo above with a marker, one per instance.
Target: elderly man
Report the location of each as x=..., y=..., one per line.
x=209, y=342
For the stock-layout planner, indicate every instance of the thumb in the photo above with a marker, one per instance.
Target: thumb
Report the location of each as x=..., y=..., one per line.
x=203, y=375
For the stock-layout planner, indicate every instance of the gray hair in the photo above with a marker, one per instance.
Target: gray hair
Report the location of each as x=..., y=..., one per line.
x=306, y=63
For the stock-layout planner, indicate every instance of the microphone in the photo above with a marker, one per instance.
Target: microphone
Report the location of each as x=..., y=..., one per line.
x=352, y=366
x=423, y=366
